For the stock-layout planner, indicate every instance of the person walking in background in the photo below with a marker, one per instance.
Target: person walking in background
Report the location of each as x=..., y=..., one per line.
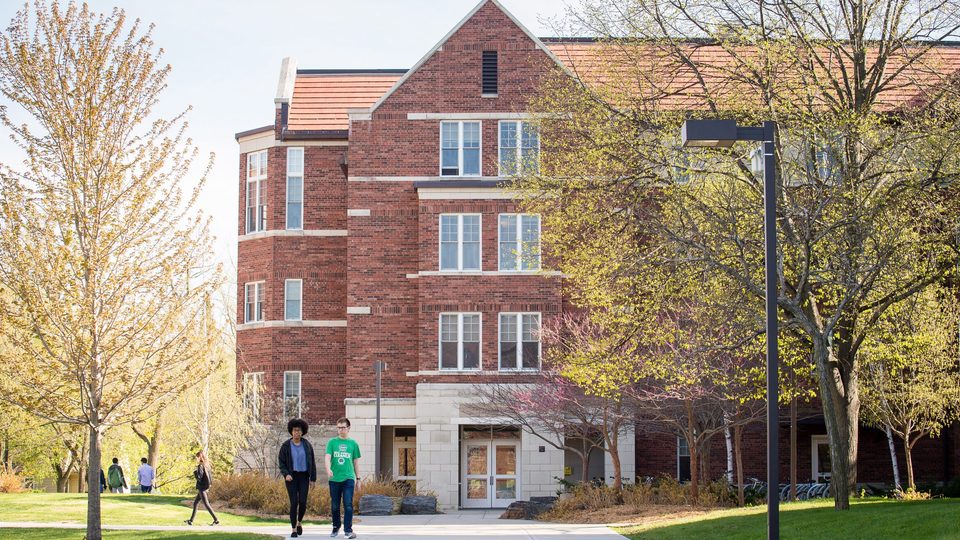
x=202, y=474
x=299, y=468
x=145, y=476
x=343, y=468
x=115, y=478
x=103, y=481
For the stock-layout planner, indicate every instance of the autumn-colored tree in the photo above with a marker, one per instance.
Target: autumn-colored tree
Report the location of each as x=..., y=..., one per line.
x=911, y=380
x=868, y=110
x=96, y=238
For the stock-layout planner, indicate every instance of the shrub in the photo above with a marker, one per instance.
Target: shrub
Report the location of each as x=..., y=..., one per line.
x=11, y=482
x=913, y=495
x=268, y=494
x=663, y=490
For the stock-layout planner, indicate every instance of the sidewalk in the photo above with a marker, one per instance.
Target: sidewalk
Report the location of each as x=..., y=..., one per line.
x=462, y=524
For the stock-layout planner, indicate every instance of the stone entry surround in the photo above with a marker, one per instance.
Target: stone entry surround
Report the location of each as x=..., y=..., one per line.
x=436, y=414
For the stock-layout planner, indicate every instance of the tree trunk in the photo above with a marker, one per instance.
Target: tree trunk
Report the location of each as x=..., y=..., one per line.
x=728, y=440
x=839, y=394
x=793, y=449
x=152, y=441
x=738, y=450
x=94, y=531
x=615, y=459
x=691, y=437
x=585, y=460
x=705, y=461
x=893, y=458
x=907, y=447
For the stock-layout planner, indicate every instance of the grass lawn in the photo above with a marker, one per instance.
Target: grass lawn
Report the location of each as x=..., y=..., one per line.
x=867, y=519
x=77, y=534
x=116, y=509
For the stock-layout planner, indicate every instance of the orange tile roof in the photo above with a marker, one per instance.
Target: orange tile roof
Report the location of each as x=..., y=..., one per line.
x=320, y=100
x=652, y=72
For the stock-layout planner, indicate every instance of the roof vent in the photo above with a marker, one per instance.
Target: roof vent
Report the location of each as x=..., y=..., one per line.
x=489, y=73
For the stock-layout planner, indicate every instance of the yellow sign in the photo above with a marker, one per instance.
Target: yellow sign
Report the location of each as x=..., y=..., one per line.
x=567, y=471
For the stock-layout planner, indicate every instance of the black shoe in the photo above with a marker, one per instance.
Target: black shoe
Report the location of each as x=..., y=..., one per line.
x=299, y=529
x=215, y=522
x=334, y=533
x=294, y=534
x=188, y=521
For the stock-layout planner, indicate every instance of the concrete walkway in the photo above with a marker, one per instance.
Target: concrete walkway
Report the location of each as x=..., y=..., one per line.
x=462, y=524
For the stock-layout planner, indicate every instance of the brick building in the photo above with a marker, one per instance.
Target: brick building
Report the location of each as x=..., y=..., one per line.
x=372, y=228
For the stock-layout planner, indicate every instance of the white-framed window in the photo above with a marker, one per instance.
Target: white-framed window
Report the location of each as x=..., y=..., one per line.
x=253, y=302
x=292, y=299
x=291, y=394
x=460, y=242
x=294, y=188
x=256, y=191
x=460, y=341
x=460, y=148
x=519, y=341
x=683, y=460
x=519, y=148
x=252, y=391
x=519, y=242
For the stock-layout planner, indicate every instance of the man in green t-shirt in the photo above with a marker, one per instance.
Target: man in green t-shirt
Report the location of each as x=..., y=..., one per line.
x=343, y=469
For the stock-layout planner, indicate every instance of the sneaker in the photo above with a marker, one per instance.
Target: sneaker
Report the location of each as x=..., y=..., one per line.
x=351, y=535
x=294, y=534
x=334, y=533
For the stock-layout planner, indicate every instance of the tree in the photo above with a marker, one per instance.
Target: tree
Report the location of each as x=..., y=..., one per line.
x=911, y=380
x=555, y=409
x=866, y=202
x=96, y=238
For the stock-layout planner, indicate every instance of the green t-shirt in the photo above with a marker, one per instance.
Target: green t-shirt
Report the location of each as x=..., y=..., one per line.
x=342, y=452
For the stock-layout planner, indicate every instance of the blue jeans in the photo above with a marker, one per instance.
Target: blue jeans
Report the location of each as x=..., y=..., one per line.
x=343, y=490
x=145, y=489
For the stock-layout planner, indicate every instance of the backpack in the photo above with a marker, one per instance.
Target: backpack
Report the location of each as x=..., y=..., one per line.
x=114, y=477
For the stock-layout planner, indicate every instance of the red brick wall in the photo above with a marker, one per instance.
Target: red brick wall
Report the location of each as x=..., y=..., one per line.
x=656, y=454
x=318, y=352
x=391, y=145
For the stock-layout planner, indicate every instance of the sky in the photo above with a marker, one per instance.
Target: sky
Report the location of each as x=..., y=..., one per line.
x=226, y=59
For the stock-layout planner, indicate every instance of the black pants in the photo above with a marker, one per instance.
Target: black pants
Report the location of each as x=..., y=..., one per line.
x=202, y=496
x=297, y=490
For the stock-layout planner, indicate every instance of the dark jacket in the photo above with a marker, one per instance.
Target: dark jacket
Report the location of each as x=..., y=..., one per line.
x=285, y=460
x=203, y=477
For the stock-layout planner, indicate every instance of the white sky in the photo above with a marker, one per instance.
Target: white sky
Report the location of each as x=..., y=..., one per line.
x=226, y=61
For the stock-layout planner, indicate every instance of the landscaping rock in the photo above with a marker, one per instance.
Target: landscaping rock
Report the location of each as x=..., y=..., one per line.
x=376, y=505
x=418, y=504
x=528, y=509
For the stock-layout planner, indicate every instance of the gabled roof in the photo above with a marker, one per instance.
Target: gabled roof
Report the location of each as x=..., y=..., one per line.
x=321, y=97
x=453, y=31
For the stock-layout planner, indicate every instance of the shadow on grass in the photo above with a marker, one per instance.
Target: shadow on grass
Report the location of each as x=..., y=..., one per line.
x=867, y=520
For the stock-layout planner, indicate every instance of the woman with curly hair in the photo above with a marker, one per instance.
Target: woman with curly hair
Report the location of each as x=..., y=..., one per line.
x=298, y=467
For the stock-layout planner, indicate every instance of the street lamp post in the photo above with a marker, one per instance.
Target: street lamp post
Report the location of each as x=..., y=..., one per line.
x=722, y=134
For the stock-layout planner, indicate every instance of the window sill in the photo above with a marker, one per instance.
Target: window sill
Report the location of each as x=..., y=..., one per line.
x=472, y=372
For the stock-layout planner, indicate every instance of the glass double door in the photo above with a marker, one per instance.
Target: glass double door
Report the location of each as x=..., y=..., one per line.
x=490, y=473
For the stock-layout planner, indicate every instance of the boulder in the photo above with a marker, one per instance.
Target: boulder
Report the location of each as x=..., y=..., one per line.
x=376, y=505
x=528, y=509
x=418, y=504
